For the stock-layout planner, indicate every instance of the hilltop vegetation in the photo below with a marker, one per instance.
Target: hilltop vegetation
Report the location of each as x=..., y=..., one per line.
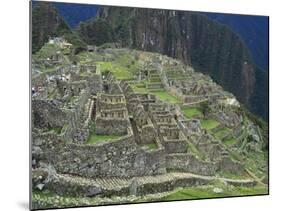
x=47, y=23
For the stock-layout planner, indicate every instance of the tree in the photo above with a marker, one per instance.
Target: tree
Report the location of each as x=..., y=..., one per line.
x=205, y=108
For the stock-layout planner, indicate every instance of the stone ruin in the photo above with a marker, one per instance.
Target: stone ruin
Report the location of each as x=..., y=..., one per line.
x=156, y=141
x=111, y=115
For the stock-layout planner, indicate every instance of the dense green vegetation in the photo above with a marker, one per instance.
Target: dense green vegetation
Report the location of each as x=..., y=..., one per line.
x=96, y=31
x=46, y=23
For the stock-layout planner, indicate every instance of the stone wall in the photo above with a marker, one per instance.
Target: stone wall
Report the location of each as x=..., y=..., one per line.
x=106, y=105
x=46, y=115
x=226, y=117
x=211, y=150
x=112, y=126
x=77, y=86
x=189, y=163
x=226, y=164
x=149, y=162
x=117, y=158
x=63, y=185
x=78, y=114
x=169, y=184
x=175, y=146
x=147, y=134
x=95, y=84
x=114, y=88
x=193, y=98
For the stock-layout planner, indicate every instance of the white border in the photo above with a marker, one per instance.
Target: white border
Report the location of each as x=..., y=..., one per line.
x=15, y=103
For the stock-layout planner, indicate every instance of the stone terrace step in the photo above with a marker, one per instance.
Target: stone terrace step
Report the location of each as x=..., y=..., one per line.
x=155, y=80
x=156, y=90
x=79, y=186
x=154, y=75
x=154, y=85
x=112, y=183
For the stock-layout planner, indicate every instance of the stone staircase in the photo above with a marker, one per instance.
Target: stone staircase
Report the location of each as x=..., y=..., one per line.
x=90, y=107
x=113, y=182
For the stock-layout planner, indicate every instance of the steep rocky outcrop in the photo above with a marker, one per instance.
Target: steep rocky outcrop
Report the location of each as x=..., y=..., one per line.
x=252, y=29
x=46, y=22
x=208, y=46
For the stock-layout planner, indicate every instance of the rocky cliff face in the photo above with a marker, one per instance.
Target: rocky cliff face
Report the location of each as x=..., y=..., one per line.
x=208, y=46
x=46, y=23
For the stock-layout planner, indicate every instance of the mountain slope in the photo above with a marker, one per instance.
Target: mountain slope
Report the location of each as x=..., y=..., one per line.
x=46, y=23
x=210, y=47
x=252, y=29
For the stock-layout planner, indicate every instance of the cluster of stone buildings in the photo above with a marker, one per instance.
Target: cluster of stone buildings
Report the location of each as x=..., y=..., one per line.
x=65, y=101
x=155, y=138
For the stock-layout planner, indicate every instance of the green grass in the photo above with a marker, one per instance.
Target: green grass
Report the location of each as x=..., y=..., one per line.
x=207, y=192
x=209, y=124
x=117, y=69
x=255, y=161
x=123, y=67
x=194, y=150
x=230, y=141
x=56, y=130
x=85, y=74
x=222, y=133
x=47, y=51
x=166, y=96
x=51, y=200
x=128, y=61
x=49, y=69
x=139, y=89
x=191, y=112
x=94, y=138
x=152, y=146
x=87, y=57
x=228, y=175
x=235, y=154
